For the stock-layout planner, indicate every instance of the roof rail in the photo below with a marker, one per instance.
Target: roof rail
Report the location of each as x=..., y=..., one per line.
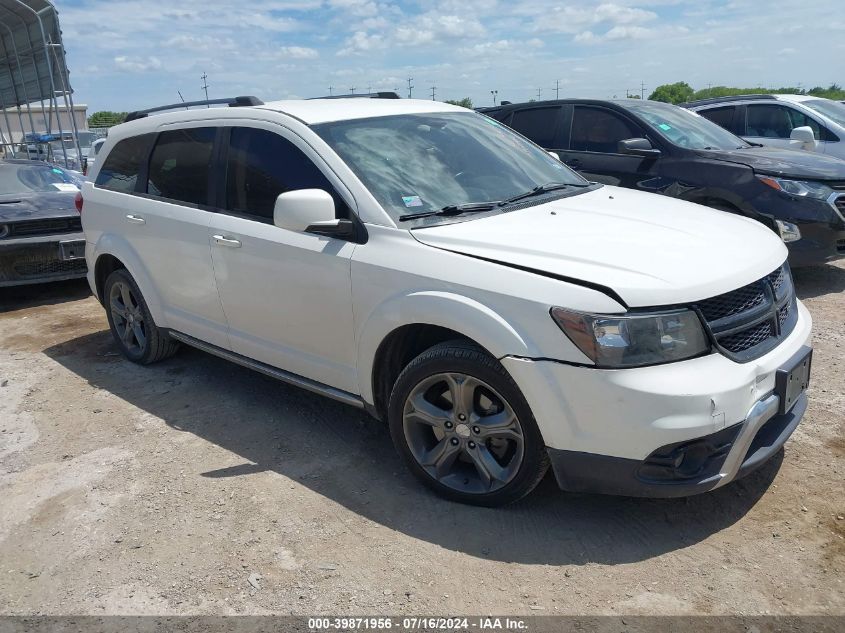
x=232, y=102
x=363, y=95
x=752, y=97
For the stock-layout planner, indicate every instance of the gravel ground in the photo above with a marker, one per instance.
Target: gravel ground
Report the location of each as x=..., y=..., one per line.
x=198, y=487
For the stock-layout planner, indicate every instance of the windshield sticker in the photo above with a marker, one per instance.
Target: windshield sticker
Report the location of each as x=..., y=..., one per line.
x=65, y=186
x=665, y=127
x=412, y=201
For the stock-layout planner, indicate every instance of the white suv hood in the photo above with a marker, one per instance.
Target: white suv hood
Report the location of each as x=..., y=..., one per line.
x=650, y=249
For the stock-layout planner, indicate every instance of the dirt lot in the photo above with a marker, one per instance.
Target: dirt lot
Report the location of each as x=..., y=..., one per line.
x=196, y=486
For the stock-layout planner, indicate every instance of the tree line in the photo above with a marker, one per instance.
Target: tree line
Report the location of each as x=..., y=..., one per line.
x=681, y=91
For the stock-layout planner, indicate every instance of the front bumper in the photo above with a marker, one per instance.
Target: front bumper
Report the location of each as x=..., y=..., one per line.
x=40, y=259
x=724, y=457
x=820, y=242
x=607, y=423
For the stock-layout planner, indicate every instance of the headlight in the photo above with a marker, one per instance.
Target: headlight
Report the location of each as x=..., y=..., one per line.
x=634, y=340
x=800, y=188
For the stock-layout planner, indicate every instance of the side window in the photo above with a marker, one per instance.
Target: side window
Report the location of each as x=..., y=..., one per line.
x=723, y=117
x=775, y=121
x=180, y=164
x=123, y=164
x=599, y=130
x=537, y=124
x=261, y=165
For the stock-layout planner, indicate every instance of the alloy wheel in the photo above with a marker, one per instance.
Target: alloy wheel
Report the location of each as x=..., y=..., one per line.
x=463, y=433
x=127, y=317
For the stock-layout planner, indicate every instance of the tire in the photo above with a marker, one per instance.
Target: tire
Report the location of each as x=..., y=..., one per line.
x=491, y=420
x=131, y=323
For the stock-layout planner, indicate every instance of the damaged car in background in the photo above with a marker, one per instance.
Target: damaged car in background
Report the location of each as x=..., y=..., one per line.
x=40, y=229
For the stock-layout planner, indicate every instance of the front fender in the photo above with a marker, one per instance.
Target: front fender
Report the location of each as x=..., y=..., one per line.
x=444, y=309
x=119, y=247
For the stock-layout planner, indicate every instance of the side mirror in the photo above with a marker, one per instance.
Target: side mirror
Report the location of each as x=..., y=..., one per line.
x=554, y=155
x=804, y=137
x=311, y=211
x=297, y=210
x=638, y=147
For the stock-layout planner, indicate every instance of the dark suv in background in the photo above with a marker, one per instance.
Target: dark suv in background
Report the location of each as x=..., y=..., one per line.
x=661, y=148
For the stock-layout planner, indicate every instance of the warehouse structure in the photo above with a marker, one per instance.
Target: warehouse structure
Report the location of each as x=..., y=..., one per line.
x=37, y=115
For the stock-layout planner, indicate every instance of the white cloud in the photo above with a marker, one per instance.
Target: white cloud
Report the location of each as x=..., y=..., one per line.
x=299, y=52
x=137, y=65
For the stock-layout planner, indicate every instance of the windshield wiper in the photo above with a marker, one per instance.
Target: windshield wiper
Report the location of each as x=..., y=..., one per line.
x=536, y=191
x=453, y=209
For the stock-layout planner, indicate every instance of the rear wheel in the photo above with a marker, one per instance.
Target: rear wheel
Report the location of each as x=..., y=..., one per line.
x=464, y=428
x=131, y=323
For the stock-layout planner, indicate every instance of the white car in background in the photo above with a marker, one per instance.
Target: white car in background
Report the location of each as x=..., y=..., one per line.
x=790, y=121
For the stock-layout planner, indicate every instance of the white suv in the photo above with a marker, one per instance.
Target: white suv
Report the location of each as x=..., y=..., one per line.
x=427, y=264
x=801, y=122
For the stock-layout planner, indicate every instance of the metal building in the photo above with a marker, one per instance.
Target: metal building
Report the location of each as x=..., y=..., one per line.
x=35, y=85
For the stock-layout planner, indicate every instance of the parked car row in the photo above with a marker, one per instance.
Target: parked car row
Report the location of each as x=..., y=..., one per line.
x=502, y=313
x=661, y=148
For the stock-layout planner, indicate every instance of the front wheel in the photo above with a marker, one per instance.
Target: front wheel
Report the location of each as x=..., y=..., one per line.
x=464, y=428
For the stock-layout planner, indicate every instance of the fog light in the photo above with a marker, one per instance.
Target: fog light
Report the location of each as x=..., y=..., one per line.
x=789, y=232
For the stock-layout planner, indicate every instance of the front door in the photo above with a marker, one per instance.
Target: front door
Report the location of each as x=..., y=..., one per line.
x=286, y=294
x=594, y=148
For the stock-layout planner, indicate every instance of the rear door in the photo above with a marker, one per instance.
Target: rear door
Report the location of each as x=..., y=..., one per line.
x=594, y=147
x=286, y=294
x=156, y=198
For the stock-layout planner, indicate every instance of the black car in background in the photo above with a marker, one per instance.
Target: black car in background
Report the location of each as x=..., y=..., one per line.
x=41, y=235
x=661, y=148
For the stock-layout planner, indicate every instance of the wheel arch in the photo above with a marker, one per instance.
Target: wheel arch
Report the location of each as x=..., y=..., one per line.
x=112, y=253
x=404, y=327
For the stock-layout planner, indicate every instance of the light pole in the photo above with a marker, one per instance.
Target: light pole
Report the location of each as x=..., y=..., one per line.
x=494, y=93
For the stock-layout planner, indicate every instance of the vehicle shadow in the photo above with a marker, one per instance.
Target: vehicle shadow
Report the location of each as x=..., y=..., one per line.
x=817, y=281
x=32, y=296
x=344, y=455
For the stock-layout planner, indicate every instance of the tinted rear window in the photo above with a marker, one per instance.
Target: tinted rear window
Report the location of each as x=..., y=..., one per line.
x=537, y=124
x=720, y=116
x=123, y=164
x=180, y=164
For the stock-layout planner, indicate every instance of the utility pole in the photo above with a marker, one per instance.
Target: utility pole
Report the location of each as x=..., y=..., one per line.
x=369, y=90
x=642, y=90
x=433, y=88
x=331, y=89
x=539, y=92
x=410, y=87
x=205, y=87
x=557, y=88
x=352, y=90
x=494, y=93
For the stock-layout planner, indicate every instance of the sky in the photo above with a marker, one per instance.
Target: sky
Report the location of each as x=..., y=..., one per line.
x=131, y=54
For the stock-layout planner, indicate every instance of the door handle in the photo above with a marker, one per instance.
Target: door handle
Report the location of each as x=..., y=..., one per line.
x=222, y=240
x=135, y=219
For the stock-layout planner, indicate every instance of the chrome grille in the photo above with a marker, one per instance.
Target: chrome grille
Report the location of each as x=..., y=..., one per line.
x=750, y=321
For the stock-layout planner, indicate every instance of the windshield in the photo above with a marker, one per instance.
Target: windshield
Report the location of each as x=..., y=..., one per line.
x=685, y=128
x=18, y=179
x=425, y=162
x=86, y=138
x=833, y=110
